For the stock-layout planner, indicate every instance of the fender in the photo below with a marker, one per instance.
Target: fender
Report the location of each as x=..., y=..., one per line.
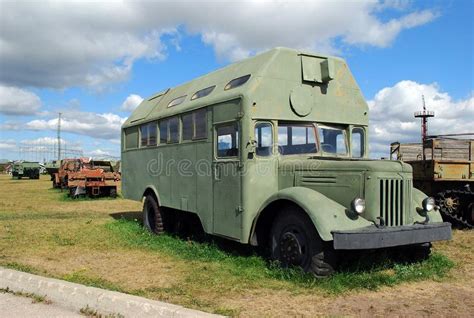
x=418, y=197
x=327, y=215
x=152, y=188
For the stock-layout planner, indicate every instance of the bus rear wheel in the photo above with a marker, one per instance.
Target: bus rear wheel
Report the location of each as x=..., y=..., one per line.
x=296, y=243
x=152, y=216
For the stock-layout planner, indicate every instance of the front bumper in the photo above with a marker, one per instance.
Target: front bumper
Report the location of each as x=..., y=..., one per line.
x=373, y=237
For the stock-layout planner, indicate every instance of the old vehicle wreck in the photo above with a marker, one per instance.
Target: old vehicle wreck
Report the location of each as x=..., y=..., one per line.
x=84, y=176
x=272, y=151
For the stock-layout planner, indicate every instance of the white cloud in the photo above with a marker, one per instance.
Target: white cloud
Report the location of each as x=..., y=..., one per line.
x=64, y=44
x=392, y=110
x=381, y=34
x=50, y=141
x=237, y=30
x=7, y=145
x=96, y=125
x=95, y=43
x=99, y=153
x=131, y=102
x=17, y=101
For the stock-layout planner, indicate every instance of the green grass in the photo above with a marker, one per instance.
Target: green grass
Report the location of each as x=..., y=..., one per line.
x=254, y=269
x=62, y=241
x=389, y=273
x=66, y=198
x=11, y=216
x=20, y=267
x=35, y=297
x=81, y=241
x=80, y=277
x=90, y=312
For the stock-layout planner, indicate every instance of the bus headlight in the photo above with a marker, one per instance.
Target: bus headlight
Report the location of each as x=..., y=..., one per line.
x=428, y=204
x=358, y=205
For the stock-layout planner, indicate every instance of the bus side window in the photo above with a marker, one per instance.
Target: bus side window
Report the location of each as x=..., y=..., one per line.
x=173, y=124
x=131, y=138
x=264, y=137
x=228, y=141
x=358, y=142
x=187, y=122
x=143, y=136
x=163, y=131
x=200, y=124
x=194, y=125
x=152, y=134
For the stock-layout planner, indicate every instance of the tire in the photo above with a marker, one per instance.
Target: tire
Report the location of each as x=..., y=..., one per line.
x=152, y=216
x=64, y=183
x=113, y=193
x=295, y=242
x=414, y=253
x=72, y=192
x=421, y=252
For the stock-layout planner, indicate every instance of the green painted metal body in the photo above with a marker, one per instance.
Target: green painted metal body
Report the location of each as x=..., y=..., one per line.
x=229, y=195
x=52, y=167
x=26, y=169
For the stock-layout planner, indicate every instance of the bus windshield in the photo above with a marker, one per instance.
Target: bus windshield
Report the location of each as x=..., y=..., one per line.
x=296, y=138
x=333, y=140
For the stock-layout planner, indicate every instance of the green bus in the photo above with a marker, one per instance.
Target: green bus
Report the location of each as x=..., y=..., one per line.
x=272, y=151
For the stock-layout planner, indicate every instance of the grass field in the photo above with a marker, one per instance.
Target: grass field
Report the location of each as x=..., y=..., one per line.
x=101, y=243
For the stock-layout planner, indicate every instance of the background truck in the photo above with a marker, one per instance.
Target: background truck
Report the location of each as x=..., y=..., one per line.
x=26, y=169
x=443, y=168
x=85, y=176
x=52, y=168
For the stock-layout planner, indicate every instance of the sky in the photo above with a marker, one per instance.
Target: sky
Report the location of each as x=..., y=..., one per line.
x=94, y=61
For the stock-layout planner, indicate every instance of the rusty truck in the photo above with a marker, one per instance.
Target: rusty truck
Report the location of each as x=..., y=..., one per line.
x=84, y=176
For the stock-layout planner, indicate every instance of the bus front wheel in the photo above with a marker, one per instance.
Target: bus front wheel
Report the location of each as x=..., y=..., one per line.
x=295, y=242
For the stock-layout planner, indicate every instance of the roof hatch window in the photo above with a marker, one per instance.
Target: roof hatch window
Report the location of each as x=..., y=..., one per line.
x=236, y=82
x=177, y=101
x=203, y=92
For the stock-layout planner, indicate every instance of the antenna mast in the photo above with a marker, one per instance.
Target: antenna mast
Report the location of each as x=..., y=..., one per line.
x=424, y=115
x=59, y=137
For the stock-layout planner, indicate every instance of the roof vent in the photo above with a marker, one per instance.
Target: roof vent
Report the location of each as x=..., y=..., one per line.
x=317, y=69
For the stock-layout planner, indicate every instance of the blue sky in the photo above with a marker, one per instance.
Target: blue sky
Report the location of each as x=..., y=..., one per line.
x=92, y=62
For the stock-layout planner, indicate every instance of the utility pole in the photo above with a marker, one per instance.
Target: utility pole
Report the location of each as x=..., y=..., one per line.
x=424, y=115
x=59, y=137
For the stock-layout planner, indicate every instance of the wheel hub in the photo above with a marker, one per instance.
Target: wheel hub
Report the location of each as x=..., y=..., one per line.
x=451, y=204
x=290, y=249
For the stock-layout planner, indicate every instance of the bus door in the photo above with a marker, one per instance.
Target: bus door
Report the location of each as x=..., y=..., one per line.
x=227, y=214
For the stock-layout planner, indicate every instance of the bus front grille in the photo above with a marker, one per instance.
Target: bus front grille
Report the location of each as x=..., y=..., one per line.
x=394, y=195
